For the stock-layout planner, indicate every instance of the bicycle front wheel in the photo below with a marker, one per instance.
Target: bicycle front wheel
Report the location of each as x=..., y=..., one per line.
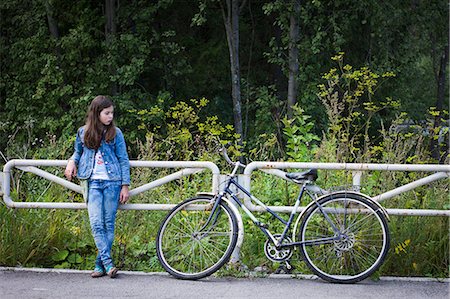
x=194, y=241
x=346, y=239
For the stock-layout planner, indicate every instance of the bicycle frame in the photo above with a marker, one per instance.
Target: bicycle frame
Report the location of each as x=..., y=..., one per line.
x=306, y=187
x=350, y=247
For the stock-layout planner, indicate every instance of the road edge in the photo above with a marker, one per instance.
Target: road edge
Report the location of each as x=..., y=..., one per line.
x=276, y=276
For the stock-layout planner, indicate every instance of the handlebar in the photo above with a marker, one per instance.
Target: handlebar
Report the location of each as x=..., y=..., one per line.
x=224, y=153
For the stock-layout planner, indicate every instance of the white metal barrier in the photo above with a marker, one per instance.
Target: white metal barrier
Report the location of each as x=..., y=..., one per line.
x=440, y=172
x=189, y=167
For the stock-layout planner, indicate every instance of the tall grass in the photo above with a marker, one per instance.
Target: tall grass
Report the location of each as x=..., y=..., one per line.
x=62, y=238
x=33, y=238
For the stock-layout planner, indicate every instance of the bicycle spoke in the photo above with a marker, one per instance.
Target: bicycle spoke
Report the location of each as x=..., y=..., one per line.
x=359, y=246
x=187, y=252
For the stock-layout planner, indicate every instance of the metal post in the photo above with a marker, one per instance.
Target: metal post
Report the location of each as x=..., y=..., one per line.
x=357, y=180
x=1, y=183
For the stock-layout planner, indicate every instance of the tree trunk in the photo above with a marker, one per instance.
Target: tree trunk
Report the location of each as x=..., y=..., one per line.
x=110, y=33
x=293, y=57
x=278, y=78
x=231, y=22
x=54, y=33
x=52, y=26
x=435, y=146
x=110, y=13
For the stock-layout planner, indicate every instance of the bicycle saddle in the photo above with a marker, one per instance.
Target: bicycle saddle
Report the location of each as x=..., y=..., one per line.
x=301, y=176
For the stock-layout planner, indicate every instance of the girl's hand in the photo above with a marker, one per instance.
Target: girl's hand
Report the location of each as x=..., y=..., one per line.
x=124, y=194
x=71, y=170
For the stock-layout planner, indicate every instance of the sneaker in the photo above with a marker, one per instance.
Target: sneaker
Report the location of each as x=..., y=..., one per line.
x=98, y=272
x=111, y=271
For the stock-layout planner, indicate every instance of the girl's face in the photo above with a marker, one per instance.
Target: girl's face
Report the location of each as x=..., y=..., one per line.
x=107, y=115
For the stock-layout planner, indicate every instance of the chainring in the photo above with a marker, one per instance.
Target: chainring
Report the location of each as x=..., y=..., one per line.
x=275, y=255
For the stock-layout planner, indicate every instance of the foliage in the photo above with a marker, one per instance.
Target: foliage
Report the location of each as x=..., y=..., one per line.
x=349, y=99
x=182, y=131
x=47, y=81
x=45, y=238
x=300, y=141
x=157, y=57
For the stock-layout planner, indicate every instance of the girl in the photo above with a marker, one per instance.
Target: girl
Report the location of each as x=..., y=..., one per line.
x=101, y=158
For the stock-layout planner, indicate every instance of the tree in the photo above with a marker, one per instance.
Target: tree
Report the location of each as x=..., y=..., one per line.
x=110, y=33
x=439, y=41
x=230, y=9
x=293, y=57
x=287, y=21
x=55, y=55
x=230, y=14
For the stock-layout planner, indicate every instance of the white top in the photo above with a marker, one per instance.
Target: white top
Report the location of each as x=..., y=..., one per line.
x=99, y=172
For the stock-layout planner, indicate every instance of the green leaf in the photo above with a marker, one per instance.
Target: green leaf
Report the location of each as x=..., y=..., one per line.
x=60, y=255
x=75, y=258
x=72, y=247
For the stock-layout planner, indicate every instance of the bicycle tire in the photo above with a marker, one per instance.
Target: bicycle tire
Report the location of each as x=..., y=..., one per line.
x=186, y=253
x=361, y=250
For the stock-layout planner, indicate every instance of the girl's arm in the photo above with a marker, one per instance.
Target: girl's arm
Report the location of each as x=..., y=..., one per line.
x=71, y=168
x=122, y=156
x=124, y=194
x=78, y=146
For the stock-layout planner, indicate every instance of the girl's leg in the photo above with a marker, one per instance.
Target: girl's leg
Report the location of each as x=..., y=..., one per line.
x=96, y=219
x=98, y=261
x=111, y=203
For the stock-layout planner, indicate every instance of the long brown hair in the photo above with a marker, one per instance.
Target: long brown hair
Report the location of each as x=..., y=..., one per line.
x=95, y=130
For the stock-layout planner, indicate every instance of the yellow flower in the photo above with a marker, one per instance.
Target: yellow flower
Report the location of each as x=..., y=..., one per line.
x=76, y=230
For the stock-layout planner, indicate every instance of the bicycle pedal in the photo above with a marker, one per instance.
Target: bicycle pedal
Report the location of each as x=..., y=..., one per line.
x=288, y=266
x=283, y=269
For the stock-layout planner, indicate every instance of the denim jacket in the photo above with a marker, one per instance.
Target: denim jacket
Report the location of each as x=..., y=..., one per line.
x=114, y=154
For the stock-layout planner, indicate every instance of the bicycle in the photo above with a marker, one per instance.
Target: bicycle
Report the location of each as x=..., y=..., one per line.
x=343, y=236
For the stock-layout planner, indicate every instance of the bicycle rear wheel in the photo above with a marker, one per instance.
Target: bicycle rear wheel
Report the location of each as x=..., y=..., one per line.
x=188, y=249
x=359, y=245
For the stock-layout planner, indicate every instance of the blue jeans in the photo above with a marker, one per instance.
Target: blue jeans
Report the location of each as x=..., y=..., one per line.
x=103, y=202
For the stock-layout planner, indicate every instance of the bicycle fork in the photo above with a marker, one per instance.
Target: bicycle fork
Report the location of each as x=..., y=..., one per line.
x=212, y=218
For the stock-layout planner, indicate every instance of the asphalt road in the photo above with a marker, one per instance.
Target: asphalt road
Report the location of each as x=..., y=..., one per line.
x=36, y=283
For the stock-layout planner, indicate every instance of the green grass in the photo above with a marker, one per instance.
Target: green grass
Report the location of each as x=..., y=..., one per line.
x=62, y=238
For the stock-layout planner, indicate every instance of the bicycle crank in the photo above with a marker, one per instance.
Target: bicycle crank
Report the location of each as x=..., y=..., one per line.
x=277, y=255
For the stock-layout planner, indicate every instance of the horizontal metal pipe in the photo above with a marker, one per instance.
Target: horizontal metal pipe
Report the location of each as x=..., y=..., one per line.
x=168, y=207
x=80, y=206
x=46, y=205
x=398, y=212
x=147, y=207
x=133, y=163
x=348, y=166
x=175, y=164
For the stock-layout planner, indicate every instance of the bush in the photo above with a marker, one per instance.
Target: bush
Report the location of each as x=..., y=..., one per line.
x=51, y=238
